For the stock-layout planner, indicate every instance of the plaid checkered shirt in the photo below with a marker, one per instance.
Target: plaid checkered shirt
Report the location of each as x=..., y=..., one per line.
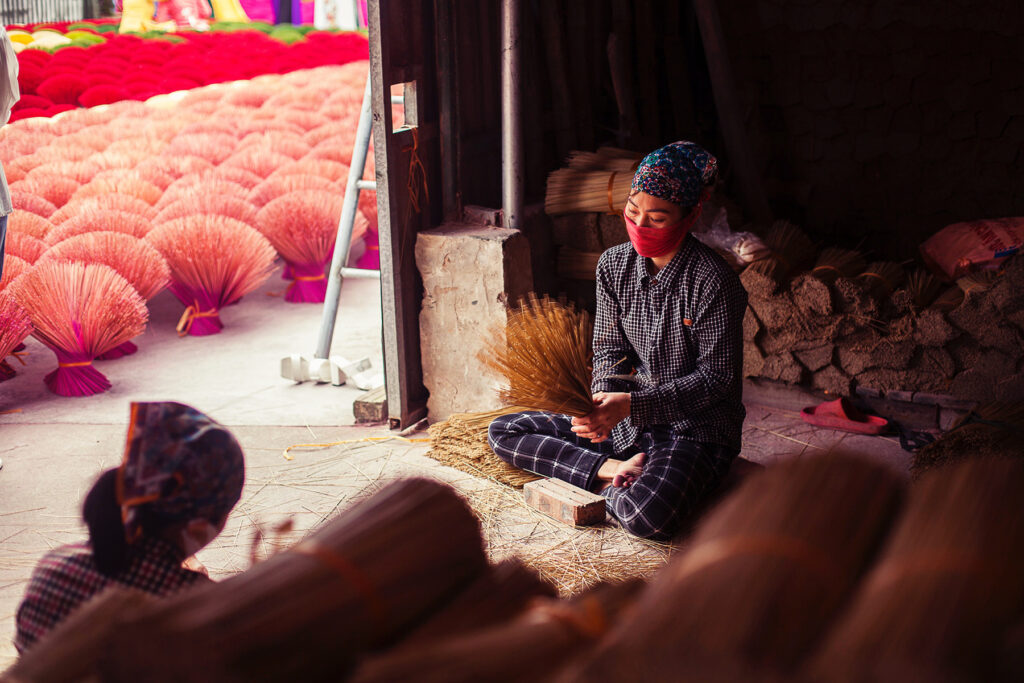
x=67, y=576
x=681, y=332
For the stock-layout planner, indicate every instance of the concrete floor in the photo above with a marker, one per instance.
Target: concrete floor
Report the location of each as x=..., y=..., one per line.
x=53, y=448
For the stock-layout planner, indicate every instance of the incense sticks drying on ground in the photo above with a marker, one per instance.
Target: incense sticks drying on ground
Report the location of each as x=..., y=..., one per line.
x=214, y=261
x=80, y=311
x=303, y=227
x=545, y=357
x=15, y=326
x=939, y=602
x=763, y=576
x=134, y=259
x=461, y=442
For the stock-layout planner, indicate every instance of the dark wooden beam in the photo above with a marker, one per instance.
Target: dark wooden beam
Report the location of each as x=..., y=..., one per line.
x=748, y=178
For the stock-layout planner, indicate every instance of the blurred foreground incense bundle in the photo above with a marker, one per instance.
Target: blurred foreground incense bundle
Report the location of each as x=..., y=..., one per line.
x=545, y=356
x=355, y=585
x=940, y=601
x=499, y=595
x=71, y=652
x=534, y=646
x=764, y=575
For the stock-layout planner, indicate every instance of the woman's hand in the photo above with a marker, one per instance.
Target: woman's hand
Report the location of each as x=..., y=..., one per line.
x=610, y=408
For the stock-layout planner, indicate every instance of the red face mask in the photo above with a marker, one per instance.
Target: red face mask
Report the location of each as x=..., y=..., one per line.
x=654, y=242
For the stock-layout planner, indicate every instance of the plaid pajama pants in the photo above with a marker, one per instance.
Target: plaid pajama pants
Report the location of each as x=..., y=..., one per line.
x=677, y=474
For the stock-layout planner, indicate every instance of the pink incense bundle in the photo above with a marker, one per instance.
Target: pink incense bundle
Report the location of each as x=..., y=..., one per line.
x=177, y=165
x=237, y=175
x=281, y=143
x=214, y=147
x=80, y=311
x=55, y=189
x=118, y=160
x=111, y=202
x=137, y=146
x=13, y=175
x=256, y=125
x=251, y=96
x=337, y=149
x=193, y=187
x=33, y=203
x=24, y=246
x=280, y=185
x=133, y=187
x=13, y=267
x=21, y=166
x=134, y=259
x=295, y=100
x=199, y=202
x=95, y=219
x=79, y=171
x=328, y=130
x=28, y=223
x=303, y=226
x=258, y=160
x=15, y=326
x=208, y=126
x=306, y=119
x=331, y=170
x=152, y=174
x=214, y=261
x=57, y=153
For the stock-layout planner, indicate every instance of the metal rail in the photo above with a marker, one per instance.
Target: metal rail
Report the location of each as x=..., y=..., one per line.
x=511, y=112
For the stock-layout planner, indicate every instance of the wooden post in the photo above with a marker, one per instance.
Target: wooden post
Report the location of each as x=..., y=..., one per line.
x=401, y=38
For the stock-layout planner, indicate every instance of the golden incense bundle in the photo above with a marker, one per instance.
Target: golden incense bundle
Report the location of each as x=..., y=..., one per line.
x=545, y=357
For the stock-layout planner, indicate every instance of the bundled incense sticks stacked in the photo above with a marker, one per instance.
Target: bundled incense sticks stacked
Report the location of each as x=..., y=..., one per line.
x=594, y=181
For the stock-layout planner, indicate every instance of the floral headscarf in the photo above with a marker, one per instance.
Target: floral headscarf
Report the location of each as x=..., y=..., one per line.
x=681, y=173
x=181, y=464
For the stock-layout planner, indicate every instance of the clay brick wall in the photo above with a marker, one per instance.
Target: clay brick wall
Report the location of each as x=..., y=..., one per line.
x=878, y=122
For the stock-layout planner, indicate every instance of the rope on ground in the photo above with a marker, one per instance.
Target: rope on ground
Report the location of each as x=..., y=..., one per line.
x=367, y=439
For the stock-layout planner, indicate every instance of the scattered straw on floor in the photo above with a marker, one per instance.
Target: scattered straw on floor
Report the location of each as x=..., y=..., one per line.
x=461, y=442
x=570, y=558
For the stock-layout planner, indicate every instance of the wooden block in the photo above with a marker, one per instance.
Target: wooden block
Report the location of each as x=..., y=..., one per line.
x=371, y=406
x=565, y=502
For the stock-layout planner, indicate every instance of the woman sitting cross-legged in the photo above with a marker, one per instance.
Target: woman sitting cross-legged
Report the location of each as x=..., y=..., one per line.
x=668, y=356
x=181, y=476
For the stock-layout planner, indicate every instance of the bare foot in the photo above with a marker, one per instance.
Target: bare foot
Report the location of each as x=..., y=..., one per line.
x=192, y=562
x=629, y=470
